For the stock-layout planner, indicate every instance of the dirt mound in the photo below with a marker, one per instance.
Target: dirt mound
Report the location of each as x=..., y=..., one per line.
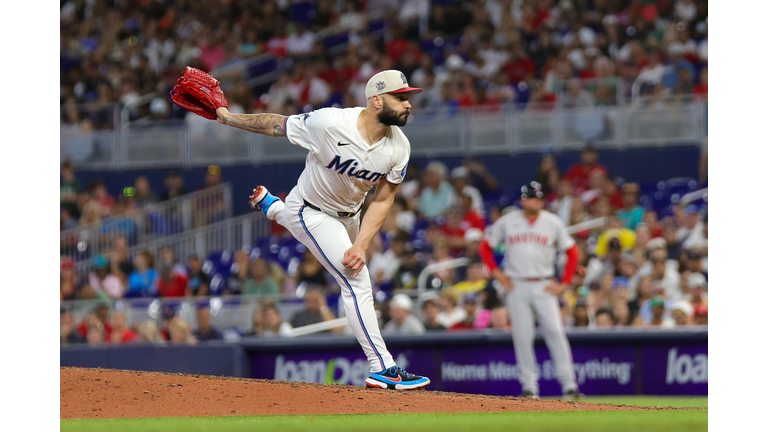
x=109, y=393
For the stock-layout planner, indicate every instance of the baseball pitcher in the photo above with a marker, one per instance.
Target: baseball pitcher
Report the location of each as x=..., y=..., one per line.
x=350, y=151
x=531, y=237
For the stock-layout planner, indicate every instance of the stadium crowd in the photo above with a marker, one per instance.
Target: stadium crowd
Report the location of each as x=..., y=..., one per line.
x=482, y=53
x=639, y=269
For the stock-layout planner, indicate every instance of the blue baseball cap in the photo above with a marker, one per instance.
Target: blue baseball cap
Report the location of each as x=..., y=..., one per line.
x=691, y=209
x=619, y=281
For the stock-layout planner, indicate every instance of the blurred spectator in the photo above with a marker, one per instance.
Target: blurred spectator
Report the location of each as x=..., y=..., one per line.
x=410, y=268
x=475, y=280
x=692, y=227
x=611, y=191
x=659, y=318
x=148, y=332
x=119, y=222
x=167, y=257
x=275, y=326
x=99, y=195
x=470, y=308
x=66, y=220
x=142, y=282
x=205, y=331
x=174, y=184
x=480, y=177
x=260, y=284
x=642, y=295
x=563, y=201
x=92, y=213
x=102, y=281
x=500, y=319
x=682, y=313
x=489, y=300
x=470, y=217
x=441, y=253
x=238, y=275
x=700, y=315
x=665, y=275
x=170, y=284
x=462, y=187
x=143, y=195
x=121, y=264
x=579, y=173
x=621, y=314
x=577, y=96
x=580, y=315
x=315, y=311
x=67, y=283
x=311, y=272
x=547, y=164
x=429, y=310
x=69, y=189
x=438, y=195
x=98, y=319
x=67, y=333
x=180, y=332
x=604, y=318
x=402, y=322
x=118, y=332
x=95, y=336
x=450, y=313
x=697, y=290
x=453, y=229
x=614, y=230
x=383, y=266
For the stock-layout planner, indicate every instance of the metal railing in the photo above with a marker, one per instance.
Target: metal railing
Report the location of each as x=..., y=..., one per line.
x=442, y=132
x=230, y=234
x=149, y=223
x=226, y=312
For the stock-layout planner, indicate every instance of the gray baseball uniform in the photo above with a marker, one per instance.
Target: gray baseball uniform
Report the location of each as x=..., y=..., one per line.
x=530, y=261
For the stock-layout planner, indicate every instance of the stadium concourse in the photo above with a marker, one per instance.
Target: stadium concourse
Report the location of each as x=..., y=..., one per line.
x=646, y=266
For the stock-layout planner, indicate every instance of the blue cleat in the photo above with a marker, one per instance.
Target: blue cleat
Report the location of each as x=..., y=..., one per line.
x=395, y=378
x=262, y=199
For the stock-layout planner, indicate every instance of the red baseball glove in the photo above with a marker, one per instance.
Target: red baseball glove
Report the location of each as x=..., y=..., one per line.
x=198, y=92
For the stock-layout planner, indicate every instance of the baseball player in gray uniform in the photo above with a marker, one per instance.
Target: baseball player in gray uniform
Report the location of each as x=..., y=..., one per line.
x=351, y=150
x=531, y=237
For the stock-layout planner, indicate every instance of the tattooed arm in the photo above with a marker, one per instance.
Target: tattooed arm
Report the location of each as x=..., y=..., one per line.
x=267, y=124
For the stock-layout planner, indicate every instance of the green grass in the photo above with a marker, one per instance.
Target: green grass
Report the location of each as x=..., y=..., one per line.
x=626, y=421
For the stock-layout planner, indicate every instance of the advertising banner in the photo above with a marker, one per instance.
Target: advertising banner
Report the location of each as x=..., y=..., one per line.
x=335, y=367
x=493, y=371
x=663, y=369
x=675, y=369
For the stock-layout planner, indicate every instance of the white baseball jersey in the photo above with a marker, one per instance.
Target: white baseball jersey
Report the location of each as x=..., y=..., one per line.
x=530, y=246
x=341, y=166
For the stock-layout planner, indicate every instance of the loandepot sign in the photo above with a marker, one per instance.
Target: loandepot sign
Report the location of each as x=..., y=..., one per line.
x=337, y=370
x=593, y=369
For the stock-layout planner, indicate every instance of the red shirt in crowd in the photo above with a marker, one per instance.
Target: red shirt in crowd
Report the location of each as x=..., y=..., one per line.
x=473, y=220
x=578, y=175
x=125, y=336
x=177, y=286
x=617, y=202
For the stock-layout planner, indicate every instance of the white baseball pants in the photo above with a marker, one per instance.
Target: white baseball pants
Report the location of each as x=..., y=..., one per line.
x=328, y=237
x=526, y=301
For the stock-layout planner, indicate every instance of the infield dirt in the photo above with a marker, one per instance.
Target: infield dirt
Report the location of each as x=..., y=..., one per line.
x=110, y=393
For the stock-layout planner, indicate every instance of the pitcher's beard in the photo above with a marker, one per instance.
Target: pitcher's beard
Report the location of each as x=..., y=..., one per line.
x=388, y=117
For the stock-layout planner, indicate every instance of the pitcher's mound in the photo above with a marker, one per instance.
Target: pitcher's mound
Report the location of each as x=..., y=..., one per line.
x=110, y=393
